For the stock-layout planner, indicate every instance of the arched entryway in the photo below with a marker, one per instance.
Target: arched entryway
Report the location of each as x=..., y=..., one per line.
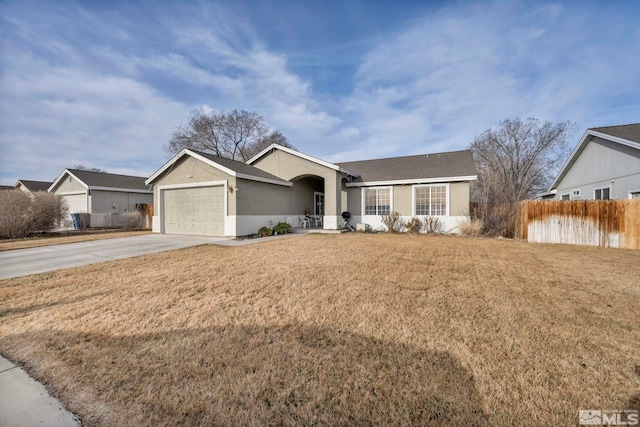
x=309, y=200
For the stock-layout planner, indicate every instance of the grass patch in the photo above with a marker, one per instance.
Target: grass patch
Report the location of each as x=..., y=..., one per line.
x=353, y=329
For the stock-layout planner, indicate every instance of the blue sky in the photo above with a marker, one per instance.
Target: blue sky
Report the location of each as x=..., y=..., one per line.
x=103, y=84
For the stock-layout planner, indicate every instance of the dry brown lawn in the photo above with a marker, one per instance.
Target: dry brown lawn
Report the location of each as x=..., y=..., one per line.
x=72, y=237
x=335, y=330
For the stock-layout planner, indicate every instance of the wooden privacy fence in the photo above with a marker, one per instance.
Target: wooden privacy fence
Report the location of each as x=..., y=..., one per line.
x=607, y=223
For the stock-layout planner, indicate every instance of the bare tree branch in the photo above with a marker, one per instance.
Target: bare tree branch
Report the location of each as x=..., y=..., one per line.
x=235, y=135
x=516, y=160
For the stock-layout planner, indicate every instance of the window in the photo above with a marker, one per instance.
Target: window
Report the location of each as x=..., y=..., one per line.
x=430, y=200
x=565, y=197
x=575, y=194
x=601, y=193
x=377, y=201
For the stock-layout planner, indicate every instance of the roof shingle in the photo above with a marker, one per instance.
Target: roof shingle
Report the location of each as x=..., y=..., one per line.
x=103, y=179
x=424, y=166
x=36, y=185
x=630, y=132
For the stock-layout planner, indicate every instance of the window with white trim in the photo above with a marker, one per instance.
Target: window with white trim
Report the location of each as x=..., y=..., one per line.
x=430, y=200
x=566, y=196
x=377, y=201
x=602, y=193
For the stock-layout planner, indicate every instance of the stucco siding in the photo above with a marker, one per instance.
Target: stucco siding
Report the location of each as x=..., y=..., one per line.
x=258, y=198
x=459, y=199
x=402, y=199
x=354, y=200
x=600, y=163
x=290, y=167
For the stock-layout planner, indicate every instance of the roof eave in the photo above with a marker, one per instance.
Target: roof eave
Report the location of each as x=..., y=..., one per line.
x=120, y=189
x=413, y=181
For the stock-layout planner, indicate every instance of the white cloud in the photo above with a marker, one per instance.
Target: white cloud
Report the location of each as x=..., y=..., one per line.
x=55, y=118
x=111, y=97
x=449, y=76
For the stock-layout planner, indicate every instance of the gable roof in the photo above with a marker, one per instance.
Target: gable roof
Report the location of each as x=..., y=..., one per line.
x=105, y=181
x=34, y=185
x=628, y=135
x=293, y=152
x=228, y=166
x=424, y=168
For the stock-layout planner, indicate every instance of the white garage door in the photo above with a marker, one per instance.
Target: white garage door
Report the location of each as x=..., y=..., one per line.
x=198, y=210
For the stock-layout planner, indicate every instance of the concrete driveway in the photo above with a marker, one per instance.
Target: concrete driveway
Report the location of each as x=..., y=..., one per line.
x=21, y=262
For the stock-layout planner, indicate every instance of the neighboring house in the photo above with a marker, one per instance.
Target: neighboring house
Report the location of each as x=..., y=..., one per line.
x=6, y=187
x=604, y=165
x=103, y=195
x=30, y=187
x=198, y=193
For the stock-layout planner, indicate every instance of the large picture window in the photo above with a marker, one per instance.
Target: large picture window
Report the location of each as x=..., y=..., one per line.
x=430, y=200
x=377, y=201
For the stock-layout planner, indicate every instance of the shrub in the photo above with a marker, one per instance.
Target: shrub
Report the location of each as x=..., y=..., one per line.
x=264, y=231
x=432, y=224
x=22, y=214
x=131, y=220
x=470, y=227
x=282, y=228
x=414, y=225
x=392, y=222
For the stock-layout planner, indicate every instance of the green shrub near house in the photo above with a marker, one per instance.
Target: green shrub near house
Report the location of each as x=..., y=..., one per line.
x=282, y=228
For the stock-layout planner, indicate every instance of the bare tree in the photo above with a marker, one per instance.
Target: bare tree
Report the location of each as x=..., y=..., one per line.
x=516, y=160
x=84, y=168
x=236, y=135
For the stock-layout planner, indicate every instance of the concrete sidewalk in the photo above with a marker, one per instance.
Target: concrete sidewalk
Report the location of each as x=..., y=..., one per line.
x=25, y=402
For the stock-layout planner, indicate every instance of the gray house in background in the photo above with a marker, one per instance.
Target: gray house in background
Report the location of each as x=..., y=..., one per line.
x=33, y=186
x=604, y=165
x=103, y=195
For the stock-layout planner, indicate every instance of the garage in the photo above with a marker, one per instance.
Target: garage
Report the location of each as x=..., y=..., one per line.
x=194, y=210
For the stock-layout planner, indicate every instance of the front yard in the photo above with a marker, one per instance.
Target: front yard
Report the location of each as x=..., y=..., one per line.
x=335, y=329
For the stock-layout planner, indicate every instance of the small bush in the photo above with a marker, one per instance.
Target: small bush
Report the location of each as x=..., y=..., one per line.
x=470, y=227
x=264, y=231
x=393, y=222
x=22, y=214
x=132, y=220
x=282, y=228
x=432, y=224
x=414, y=225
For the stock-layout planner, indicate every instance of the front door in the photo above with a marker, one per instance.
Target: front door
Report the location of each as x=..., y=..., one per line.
x=318, y=205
